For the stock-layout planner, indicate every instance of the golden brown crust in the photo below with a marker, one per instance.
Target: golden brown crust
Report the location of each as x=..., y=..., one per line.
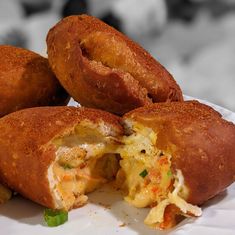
x=27, y=81
x=100, y=67
x=201, y=143
x=26, y=150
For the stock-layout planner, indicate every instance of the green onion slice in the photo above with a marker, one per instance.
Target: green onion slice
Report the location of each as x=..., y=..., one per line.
x=169, y=173
x=67, y=166
x=55, y=218
x=143, y=173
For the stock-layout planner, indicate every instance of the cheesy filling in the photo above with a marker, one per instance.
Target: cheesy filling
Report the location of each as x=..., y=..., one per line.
x=147, y=179
x=84, y=161
x=156, y=215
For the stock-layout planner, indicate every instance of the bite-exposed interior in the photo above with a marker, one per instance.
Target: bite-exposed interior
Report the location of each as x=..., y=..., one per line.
x=147, y=179
x=85, y=160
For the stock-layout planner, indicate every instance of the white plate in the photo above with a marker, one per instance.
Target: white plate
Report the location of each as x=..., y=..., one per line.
x=107, y=214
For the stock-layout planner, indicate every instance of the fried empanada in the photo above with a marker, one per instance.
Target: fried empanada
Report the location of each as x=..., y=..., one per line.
x=26, y=80
x=101, y=68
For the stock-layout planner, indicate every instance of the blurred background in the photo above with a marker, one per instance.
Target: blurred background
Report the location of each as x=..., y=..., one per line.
x=193, y=39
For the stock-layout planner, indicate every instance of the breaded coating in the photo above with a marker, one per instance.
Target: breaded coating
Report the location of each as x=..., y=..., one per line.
x=100, y=67
x=26, y=80
x=201, y=143
x=27, y=147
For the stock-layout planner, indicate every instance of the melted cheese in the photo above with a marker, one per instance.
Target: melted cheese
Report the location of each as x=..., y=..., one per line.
x=160, y=187
x=78, y=169
x=92, y=165
x=138, y=154
x=156, y=214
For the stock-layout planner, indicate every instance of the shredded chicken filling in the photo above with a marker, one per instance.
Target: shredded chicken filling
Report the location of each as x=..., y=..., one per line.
x=148, y=181
x=86, y=159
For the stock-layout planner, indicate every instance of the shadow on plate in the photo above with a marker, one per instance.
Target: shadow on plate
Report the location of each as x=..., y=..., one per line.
x=22, y=210
x=215, y=200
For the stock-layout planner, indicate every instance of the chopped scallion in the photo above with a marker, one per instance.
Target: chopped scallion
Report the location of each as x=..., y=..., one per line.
x=143, y=173
x=55, y=218
x=169, y=173
x=67, y=166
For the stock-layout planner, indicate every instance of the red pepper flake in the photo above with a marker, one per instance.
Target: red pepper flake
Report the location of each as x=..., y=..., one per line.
x=163, y=161
x=154, y=189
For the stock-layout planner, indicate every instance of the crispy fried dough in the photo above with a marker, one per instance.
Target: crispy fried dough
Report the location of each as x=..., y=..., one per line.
x=27, y=149
x=201, y=143
x=27, y=81
x=5, y=194
x=173, y=156
x=102, y=68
